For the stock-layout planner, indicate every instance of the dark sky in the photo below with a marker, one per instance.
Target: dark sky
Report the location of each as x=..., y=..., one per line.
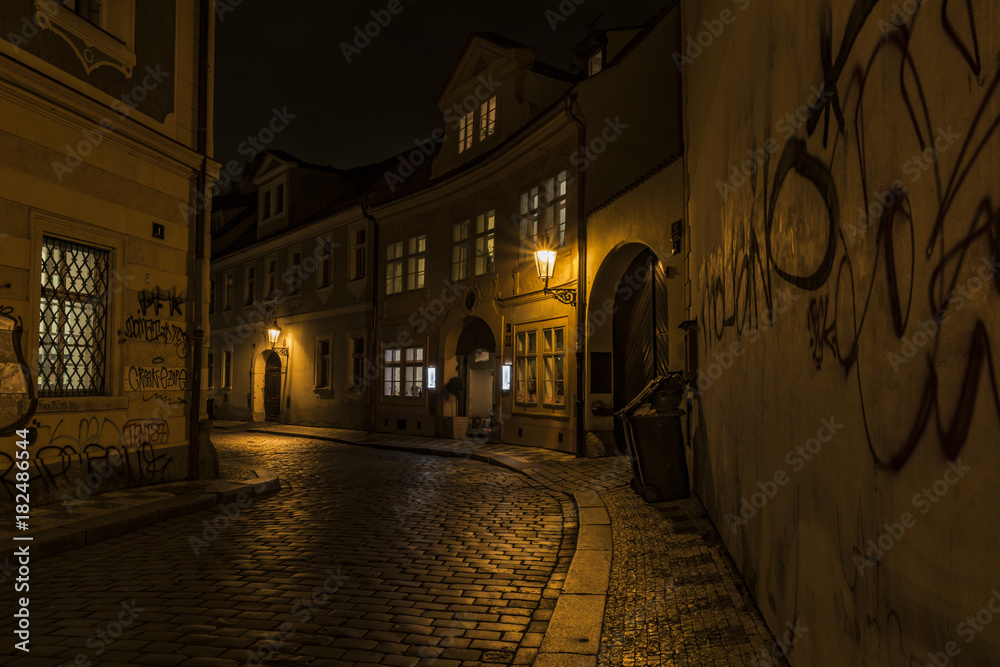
x=348, y=114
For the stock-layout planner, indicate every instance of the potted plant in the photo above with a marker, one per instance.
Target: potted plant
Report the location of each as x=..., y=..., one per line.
x=455, y=426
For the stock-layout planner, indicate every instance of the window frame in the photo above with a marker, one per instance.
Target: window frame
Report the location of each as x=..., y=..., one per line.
x=394, y=262
x=293, y=275
x=227, y=369
x=488, y=238
x=249, y=284
x=270, y=277
x=324, y=273
x=398, y=361
x=487, y=118
x=416, y=262
x=549, y=362
x=466, y=131
x=359, y=252
x=460, y=250
x=228, y=291
x=323, y=363
x=357, y=360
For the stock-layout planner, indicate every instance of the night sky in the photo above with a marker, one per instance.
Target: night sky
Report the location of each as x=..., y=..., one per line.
x=349, y=114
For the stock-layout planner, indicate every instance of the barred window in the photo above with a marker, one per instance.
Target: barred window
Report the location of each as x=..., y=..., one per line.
x=72, y=328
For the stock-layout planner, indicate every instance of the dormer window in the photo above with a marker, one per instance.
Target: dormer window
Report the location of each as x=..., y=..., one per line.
x=265, y=211
x=487, y=118
x=595, y=63
x=279, y=199
x=465, y=129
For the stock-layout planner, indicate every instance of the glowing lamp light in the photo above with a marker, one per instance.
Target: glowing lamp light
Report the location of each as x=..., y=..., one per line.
x=272, y=336
x=545, y=264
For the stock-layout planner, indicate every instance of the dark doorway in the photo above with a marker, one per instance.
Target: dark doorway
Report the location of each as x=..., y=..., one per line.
x=475, y=353
x=272, y=388
x=640, y=330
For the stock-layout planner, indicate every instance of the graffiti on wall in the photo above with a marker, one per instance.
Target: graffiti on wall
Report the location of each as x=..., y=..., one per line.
x=157, y=299
x=156, y=377
x=888, y=283
x=17, y=393
x=152, y=330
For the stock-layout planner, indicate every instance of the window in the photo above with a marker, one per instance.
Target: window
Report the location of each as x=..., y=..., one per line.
x=554, y=352
x=465, y=132
x=358, y=256
x=88, y=9
x=228, y=292
x=357, y=348
x=404, y=372
x=249, y=284
x=323, y=363
x=487, y=118
x=543, y=207
x=460, y=251
x=294, y=276
x=272, y=278
x=211, y=296
x=72, y=328
x=325, y=276
x=265, y=209
x=484, y=242
x=394, y=268
x=279, y=199
x=595, y=63
x=527, y=368
x=417, y=262
x=227, y=369
x=211, y=370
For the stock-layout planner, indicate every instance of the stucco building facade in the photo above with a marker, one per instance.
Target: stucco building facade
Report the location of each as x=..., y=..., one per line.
x=107, y=113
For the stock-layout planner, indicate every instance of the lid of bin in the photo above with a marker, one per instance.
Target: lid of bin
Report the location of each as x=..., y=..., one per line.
x=642, y=405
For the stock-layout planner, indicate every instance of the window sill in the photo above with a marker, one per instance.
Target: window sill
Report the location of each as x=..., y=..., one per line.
x=93, y=46
x=81, y=404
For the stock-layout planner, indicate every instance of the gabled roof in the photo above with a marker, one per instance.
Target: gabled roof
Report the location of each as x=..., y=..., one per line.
x=488, y=47
x=270, y=159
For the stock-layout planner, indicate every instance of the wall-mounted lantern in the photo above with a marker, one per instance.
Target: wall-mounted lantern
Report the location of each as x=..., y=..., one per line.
x=273, y=334
x=545, y=264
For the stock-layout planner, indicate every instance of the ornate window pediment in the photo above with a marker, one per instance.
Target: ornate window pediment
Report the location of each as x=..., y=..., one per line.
x=109, y=43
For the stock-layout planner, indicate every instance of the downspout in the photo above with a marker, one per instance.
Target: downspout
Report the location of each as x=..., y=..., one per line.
x=373, y=355
x=200, y=261
x=581, y=285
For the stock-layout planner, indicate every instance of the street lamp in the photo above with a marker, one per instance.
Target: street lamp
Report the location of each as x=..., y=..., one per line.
x=272, y=336
x=545, y=264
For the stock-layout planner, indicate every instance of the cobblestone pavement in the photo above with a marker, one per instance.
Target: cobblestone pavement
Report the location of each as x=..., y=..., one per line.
x=368, y=558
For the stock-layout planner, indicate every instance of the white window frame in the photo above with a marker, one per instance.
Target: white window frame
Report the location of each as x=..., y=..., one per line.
x=553, y=360
x=394, y=268
x=416, y=262
x=487, y=118
x=460, y=250
x=526, y=367
x=323, y=363
x=405, y=371
x=466, y=131
x=485, y=243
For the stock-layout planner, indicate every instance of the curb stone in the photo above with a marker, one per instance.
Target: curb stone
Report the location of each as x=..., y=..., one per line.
x=84, y=532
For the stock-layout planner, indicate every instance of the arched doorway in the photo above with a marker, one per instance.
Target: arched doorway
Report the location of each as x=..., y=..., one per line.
x=475, y=354
x=272, y=388
x=629, y=346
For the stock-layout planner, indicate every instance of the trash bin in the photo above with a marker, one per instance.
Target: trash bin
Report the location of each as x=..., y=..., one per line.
x=655, y=440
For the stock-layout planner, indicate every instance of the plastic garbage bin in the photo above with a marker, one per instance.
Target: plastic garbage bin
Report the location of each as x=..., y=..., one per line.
x=655, y=440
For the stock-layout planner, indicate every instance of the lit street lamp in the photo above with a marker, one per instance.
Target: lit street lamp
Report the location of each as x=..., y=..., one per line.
x=545, y=264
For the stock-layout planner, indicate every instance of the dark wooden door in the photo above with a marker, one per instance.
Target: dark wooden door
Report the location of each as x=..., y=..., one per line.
x=272, y=388
x=641, y=343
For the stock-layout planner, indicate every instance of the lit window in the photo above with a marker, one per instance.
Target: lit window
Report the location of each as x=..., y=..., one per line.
x=416, y=264
x=526, y=362
x=487, y=118
x=528, y=224
x=228, y=293
x=543, y=215
x=72, y=326
x=227, y=369
x=485, y=242
x=322, y=378
x=404, y=372
x=460, y=251
x=555, y=365
x=465, y=128
x=394, y=268
x=249, y=284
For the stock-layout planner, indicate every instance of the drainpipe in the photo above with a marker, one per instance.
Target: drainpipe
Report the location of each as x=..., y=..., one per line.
x=581, y=285
x=200, y=260
x=373, y=355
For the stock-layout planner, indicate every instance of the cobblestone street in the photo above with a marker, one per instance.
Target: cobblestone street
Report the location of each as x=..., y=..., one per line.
x=371, y=557
x=376, y=557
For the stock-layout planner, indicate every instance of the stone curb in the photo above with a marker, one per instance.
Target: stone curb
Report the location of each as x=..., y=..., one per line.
x=573, y=636
x=84, y=532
